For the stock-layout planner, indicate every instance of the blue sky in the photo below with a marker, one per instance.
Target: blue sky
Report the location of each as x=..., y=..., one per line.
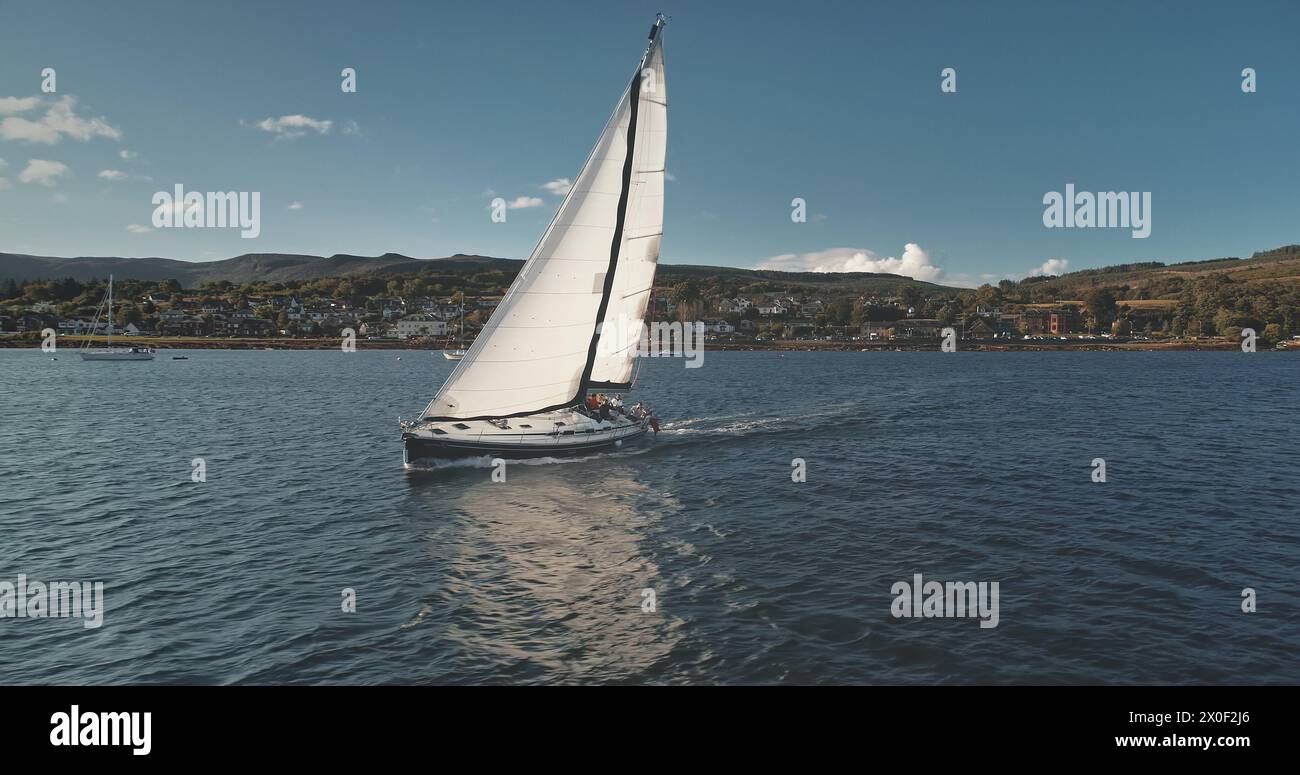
x=837, y=103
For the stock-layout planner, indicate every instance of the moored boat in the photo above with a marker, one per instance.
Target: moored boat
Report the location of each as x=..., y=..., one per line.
x=109, y=352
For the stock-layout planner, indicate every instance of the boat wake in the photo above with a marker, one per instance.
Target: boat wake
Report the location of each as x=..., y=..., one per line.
x=754, y=423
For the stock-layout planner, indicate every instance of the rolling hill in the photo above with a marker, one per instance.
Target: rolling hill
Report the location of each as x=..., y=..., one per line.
x=270, y=267
x=1279, y=265
x=280, y=267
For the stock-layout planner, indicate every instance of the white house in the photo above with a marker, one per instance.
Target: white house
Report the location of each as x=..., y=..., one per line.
x=719, y=327
x=420, y=325
x=77, y=326
x=738, y=304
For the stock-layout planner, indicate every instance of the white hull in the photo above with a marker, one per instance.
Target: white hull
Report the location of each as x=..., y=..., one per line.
x=453, y=355
x=116, y=355
x=550, y=434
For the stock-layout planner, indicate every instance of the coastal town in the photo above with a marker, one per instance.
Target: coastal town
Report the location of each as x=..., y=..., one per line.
x=766, y=314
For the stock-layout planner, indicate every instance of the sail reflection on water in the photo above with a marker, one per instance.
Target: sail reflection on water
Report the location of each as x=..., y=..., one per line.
x=546, y=570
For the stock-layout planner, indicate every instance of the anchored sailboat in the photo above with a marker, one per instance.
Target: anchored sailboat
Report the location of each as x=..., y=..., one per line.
x=521, y=389
x=459, y=352
x=109, y=352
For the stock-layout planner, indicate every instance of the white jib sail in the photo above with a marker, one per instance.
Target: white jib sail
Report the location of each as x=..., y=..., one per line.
x=539, y=349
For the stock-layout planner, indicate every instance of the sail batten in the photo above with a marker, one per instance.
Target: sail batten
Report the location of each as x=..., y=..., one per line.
x=542, y=346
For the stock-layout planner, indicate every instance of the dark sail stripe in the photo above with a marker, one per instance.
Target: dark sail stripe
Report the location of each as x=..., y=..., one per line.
x=634, y=99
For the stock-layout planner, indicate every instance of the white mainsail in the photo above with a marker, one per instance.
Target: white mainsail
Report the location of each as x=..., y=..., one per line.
x=539, y=349
x=642, y=229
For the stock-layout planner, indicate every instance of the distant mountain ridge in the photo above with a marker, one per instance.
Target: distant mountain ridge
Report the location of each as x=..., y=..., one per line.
x=1280, y=265
x=279, y=267
x=270, y=267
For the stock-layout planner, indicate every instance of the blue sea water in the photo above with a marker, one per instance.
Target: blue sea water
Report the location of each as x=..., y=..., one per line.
x=960, y=467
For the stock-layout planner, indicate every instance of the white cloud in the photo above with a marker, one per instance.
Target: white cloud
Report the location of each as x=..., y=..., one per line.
x=1050, y=268
x=351, y=128
x=4, y=184
x=524, y=202
x=112, y=175
x=3, y=164
x=59, y=199
x=295, y=205
x=128, y=155
x=10, y=105
x=915, y=262
x=559, y=186
x=670, y=177
x=293, y=127
x=60, y=120
x=136, y=228
x=43, y=172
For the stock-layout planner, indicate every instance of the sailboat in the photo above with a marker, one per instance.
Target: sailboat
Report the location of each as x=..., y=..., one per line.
x=522, y=388
x=109, y=352
x=457, y=354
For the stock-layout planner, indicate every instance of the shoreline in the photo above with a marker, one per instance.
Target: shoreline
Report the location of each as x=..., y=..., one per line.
x=1011, y=345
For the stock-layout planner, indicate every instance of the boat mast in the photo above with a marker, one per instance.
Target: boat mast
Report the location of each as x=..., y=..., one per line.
x=110, y=311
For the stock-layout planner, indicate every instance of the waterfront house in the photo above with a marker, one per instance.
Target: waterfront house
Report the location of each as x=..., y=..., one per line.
x=248, y=326
x=420, y=325
x=25, y=323
x=1008, y=324
x=918, y=328
x=979, y=328
x=1065, y=321
x=876, y=330
x=215, y=306
x=75, y=326
x=187, y=326
x=1035, y=321
x=737, y=304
